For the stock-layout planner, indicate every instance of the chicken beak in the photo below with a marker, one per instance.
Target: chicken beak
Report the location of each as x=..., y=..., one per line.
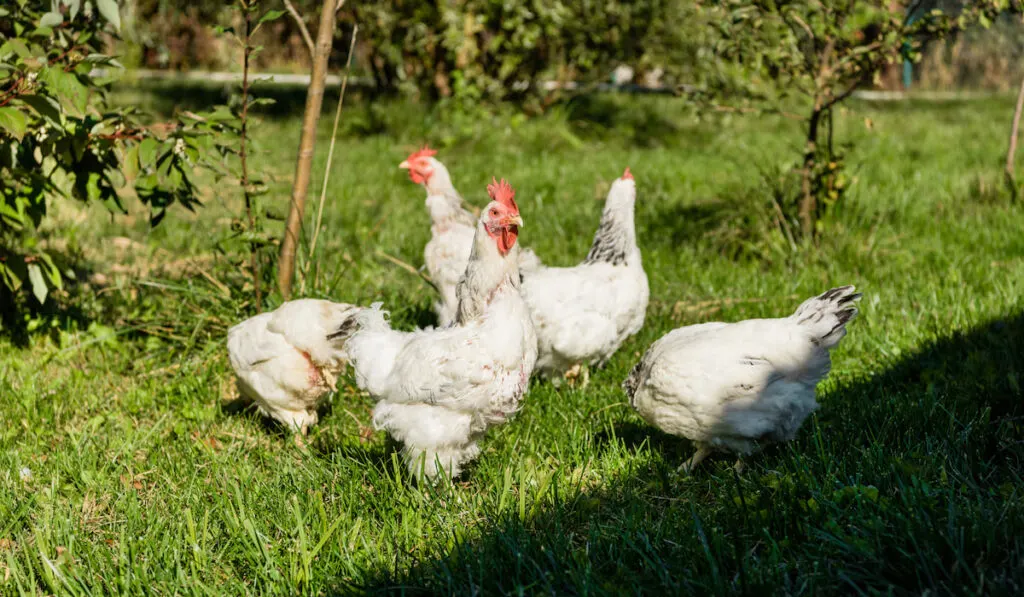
x=405, y=165
x=517, y=220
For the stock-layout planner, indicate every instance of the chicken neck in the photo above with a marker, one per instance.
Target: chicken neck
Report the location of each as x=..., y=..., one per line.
x=487, y=274
x=446, y=210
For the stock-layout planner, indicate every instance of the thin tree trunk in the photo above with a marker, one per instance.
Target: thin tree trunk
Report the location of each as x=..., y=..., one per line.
x=807, y=202
x=243, y=154
x=1011, y=179
x=307, y=143
x=330, y=152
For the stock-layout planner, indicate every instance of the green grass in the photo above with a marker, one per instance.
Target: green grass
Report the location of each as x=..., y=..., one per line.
x=908, y=479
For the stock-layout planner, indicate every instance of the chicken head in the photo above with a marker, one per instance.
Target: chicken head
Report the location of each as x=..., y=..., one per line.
x=421, y=165
x=501, y=218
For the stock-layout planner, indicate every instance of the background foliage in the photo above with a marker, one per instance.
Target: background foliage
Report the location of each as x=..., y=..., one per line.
x=584, y=39
x=496, y=50
x=811, y=57
x=60, y=137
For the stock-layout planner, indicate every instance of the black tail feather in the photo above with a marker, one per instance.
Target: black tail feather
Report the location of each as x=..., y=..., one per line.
x=346, y=329
x=828, y=313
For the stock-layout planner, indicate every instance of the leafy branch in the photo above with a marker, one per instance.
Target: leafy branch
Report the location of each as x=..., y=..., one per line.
x=59, y=137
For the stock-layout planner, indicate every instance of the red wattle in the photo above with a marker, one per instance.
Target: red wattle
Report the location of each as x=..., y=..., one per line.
x=507, y=239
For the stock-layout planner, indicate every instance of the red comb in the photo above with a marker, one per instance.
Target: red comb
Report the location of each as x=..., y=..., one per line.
x=503, y=193
x=627, y=175
x=426, y=152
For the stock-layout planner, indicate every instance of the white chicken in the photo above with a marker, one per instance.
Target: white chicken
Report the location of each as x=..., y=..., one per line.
x=440, y=389
x=584, y=313
x=732, y=386
x=283, y=361
x=451, y=231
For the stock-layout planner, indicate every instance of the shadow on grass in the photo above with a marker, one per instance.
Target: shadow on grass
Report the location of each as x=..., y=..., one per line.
x=906, y=481
x=21, y=316
x=245, y=407
x=376, y=455
x=324, y=445
x=682, y=225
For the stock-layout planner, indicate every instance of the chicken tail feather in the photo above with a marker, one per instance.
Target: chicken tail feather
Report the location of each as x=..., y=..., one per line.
x=827, y=314
x=635, y=378
x=372, y=318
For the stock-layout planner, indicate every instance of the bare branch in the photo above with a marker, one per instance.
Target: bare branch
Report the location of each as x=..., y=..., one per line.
x=254, y=258
x=845, y=94
x=412, y=270
x=746, y=110
x=306, y=37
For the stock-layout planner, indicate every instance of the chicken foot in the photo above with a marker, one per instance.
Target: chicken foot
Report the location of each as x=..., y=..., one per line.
x=578, y=371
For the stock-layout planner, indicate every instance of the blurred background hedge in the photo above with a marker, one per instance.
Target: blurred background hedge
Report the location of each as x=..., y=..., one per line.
x=503, y=49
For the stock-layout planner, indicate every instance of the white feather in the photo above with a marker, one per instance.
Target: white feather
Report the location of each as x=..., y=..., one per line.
x=584, y=313
x=452, y=228
x=283, y=360
x=447, y=252
x=440, y=389
x=732, y=385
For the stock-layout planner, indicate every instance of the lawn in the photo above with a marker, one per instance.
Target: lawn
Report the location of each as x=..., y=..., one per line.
x=126, y=468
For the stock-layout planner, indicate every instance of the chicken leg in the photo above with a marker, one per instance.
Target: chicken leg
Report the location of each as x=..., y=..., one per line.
x=698, y=456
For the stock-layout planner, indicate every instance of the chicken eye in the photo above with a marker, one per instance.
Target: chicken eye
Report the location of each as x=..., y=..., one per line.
x=494, y=212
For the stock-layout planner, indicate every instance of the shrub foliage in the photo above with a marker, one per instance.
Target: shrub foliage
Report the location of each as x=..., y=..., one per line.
x=61, y=138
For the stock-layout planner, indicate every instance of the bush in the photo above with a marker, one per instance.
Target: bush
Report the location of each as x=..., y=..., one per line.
x=59, y=137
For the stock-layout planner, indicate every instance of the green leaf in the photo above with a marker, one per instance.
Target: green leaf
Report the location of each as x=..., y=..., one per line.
x=75, y=6
x=108, y=8
x=35, y=277
x=11, y=280
x=51, y=19
x=130, y=164
x=73, y=95
x=270, y=15
x=12, y=217
x=45, y=106
x=93, y=188
x=147, y=152
x=52, y=270
x=16, y=46
x=104, y=59
x=13, y=121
